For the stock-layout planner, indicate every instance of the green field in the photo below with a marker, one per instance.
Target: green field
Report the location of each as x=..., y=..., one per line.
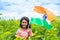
x=9, y=27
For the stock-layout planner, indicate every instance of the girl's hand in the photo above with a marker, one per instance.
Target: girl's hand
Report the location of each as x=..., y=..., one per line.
x=17, y=36
x=30, y=33
x=28, y=30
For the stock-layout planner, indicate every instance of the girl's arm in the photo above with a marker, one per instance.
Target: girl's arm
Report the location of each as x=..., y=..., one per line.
x=17, y=33
x=30, y=33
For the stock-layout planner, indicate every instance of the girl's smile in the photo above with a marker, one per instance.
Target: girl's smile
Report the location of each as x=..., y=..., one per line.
x=24, y=23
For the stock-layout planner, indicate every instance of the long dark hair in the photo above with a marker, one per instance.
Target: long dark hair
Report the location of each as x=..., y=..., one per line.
x=27, y=19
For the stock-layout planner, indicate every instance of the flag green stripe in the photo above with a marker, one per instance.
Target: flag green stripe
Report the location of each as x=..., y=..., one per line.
x=40, y=22
x=46, y=25
x=36, y=21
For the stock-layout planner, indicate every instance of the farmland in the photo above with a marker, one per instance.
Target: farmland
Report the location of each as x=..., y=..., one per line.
x=9, y=27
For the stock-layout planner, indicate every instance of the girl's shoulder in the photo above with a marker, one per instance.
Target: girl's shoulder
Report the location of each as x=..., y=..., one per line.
x=19, y=29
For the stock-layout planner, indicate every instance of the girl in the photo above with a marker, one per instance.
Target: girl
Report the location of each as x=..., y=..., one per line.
x=25, y=30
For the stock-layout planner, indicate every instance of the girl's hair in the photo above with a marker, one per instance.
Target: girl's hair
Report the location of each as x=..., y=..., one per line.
x=27, y=19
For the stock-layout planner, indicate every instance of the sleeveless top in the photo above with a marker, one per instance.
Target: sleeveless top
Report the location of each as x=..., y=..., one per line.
x=24, y=33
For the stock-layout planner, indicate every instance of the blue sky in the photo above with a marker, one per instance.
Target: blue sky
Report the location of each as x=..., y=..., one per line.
x=19, y=8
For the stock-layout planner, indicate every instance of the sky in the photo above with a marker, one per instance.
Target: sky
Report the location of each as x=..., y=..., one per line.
x=19, y=8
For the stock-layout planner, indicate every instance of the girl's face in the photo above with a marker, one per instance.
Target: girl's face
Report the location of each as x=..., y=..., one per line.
x=24, y=23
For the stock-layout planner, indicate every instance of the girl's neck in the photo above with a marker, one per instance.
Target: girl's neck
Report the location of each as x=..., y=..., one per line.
x=24, y=28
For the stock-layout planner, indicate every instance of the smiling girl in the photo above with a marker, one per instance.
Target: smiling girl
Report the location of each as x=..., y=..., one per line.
x=25, y=30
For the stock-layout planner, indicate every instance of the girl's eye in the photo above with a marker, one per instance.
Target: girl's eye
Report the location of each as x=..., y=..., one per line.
x=23, y=22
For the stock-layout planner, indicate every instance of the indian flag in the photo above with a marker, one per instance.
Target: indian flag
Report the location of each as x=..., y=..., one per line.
x=43, y=17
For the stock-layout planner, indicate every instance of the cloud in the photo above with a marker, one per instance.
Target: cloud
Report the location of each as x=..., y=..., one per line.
x=13, y=15
x=24, y=7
